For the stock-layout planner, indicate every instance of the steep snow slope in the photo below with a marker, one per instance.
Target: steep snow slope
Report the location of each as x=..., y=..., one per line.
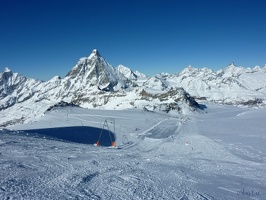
x=140, y=75
x=196, y=157
x=128, y=73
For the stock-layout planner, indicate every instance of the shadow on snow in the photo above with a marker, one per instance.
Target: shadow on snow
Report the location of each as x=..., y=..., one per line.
x=78, y=134
x=202, y=106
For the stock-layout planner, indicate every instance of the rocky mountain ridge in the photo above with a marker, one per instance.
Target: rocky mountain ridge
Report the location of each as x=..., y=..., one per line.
x=231, y=85
x=94, y=83
x=91, y=83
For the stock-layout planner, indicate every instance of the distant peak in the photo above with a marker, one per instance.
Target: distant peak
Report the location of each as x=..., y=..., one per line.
x=232, y=65
x=94, y=53
x=122, y=67
x=189, y=68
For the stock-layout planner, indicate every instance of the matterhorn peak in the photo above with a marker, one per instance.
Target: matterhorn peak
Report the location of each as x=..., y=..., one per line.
x=94, y=53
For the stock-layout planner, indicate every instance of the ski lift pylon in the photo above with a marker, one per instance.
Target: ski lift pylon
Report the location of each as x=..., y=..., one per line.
x=105, y=124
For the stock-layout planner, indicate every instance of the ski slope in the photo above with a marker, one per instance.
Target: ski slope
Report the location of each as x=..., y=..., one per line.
x=217, y=155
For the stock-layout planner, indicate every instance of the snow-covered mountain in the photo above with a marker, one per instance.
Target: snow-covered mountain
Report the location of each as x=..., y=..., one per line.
x=94, y=83
x=91, y=83
x=231, y=85
x=93, y=71
x=15, y=88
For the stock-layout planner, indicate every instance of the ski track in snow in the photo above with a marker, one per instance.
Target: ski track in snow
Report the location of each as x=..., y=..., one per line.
x=165, y=158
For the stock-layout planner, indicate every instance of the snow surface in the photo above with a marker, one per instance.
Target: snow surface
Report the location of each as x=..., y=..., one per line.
x=217, y=155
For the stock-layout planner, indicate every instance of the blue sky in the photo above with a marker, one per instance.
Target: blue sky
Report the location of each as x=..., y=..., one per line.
x=44, y=38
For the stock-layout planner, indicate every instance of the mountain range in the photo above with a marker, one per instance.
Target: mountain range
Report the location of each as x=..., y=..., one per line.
x=94, y=83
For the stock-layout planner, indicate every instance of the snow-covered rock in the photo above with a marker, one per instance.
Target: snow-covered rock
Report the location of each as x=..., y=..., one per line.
x=15, y=88
x=231, y=85
x=94, y=83
x=140, y=75
x=127, y=72
x=91, y=83
x=93, y=71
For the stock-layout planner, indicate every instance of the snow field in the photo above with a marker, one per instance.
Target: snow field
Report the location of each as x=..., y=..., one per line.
x=202, y=156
